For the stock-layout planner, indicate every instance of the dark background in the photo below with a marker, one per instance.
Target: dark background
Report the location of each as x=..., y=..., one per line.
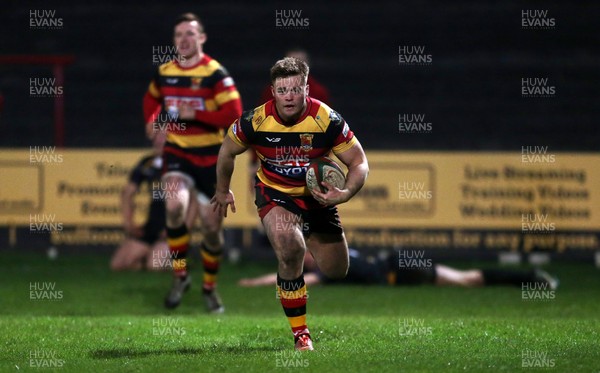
x=470, y=93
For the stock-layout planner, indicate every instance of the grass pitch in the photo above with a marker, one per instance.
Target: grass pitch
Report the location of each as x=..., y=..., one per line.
x=100, y=321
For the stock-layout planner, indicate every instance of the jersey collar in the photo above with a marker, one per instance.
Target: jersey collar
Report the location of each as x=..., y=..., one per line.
x=203, y=61
x=307, y=110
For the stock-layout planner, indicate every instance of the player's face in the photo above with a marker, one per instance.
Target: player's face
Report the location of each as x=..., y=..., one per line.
x=290, y=97
x=188, y=39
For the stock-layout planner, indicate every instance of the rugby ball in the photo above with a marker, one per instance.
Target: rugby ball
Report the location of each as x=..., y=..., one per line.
x=324, y=169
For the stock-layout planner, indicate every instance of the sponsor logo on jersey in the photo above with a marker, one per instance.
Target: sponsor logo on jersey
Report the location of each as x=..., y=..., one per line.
x=172, y=102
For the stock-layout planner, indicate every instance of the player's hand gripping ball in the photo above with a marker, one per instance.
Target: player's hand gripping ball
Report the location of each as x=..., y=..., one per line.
x=324, y=169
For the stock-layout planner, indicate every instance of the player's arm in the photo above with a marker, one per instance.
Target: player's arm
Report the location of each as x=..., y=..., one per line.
x=358, y=168
x=152, y=105
x=225, y=165
x=222, y=117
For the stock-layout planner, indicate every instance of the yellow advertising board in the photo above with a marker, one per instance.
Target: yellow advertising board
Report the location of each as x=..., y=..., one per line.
x=408, y=190
x=489, y=190
x=73, y=187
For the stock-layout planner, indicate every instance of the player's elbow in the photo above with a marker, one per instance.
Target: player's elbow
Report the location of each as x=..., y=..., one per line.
x=365, y=168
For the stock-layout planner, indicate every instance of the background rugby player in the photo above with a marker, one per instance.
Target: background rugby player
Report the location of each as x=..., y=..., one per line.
x=370, y=270
x=148, y=241
x=145, y=247
x=197, y=100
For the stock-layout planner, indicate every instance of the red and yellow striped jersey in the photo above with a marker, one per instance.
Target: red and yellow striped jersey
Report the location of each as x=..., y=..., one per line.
x=208, y=87
x=285, y=151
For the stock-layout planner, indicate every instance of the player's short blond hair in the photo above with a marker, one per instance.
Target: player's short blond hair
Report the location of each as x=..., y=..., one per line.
x=289, y=66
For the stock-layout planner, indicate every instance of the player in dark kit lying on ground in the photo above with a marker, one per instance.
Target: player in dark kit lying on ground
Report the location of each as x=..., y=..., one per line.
x=369, y=270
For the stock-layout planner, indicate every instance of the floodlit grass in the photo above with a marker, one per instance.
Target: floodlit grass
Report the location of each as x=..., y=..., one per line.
x=115, y=322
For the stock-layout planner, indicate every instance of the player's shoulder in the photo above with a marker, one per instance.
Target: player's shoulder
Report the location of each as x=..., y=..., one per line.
x=325, y=114
x=211, y=63
x=254, y=117
x=146, y=160
x=144, y=164
x=214, y=66
x=167, y=67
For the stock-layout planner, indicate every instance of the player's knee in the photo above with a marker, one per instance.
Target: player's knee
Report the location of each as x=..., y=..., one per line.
x=174, y=206
x=174, y=211
x=291, y=259
x=213, y=240
x=212, y=231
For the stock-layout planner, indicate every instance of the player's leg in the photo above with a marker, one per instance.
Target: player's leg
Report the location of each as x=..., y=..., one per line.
x=130, y=255
x=331, y=253
x=284, y=231
x=517, y=277
x=177, y=200
x=154, y=236
x=327, y=242
x=211, y=248
x=211, y=251
x=487, y=277
x=212, y=243
x=176, y=205
x=285, y=234
x=158, y=260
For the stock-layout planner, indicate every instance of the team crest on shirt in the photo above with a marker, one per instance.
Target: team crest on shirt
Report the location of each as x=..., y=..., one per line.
x=195, y=83
x=306, y=141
